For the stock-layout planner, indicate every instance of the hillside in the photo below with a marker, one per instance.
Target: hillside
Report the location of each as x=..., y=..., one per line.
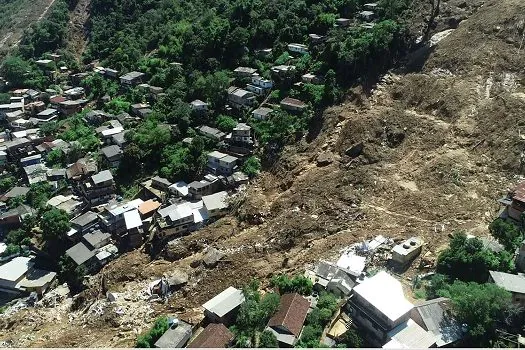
x=441, y=143
x=15, y=17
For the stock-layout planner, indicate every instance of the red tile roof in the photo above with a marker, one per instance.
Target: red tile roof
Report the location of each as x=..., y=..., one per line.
x=291, y=314
x=215, y=335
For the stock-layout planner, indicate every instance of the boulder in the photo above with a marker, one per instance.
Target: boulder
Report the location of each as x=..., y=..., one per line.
x=355, y=151
x=324, y=159
x=212, y=258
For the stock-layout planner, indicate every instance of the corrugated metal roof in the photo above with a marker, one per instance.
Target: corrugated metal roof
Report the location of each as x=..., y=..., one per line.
x=225, y=302
x=509, y=282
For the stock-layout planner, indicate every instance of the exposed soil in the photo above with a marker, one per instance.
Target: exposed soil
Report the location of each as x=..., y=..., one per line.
x=426, y=154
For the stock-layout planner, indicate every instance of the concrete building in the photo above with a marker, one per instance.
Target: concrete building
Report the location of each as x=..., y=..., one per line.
x=515, y=284
x=407, y=251
x=199, y=106
x=112, y=155
x=262, y=113
x=20, y=276
x=515, y=202
x=377, y=306
x=223, y=307
x=210, y=132
x=293, y=105
x=99, y=188
x=216, y=204
x=132, y=78
x=221, y=164
x=436, y=317
x=299, y=48
x=240, y=98
x=82, y=224
x=244, y=72
x=177, y=336
x=266, y=84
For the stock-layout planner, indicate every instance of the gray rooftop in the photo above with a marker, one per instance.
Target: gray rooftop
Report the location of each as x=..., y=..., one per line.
x=111, y=151
x=509, y=282
x=16, y=191
x=132, y=75
x=80, y=253
x=175, y=336
x=103, y=176
x=439, y=321
x=216, y=201
x=85, y=219
x=96, y=237
x=225, y=302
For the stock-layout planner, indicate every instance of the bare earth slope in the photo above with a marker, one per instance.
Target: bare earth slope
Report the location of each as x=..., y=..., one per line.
x=440, y=146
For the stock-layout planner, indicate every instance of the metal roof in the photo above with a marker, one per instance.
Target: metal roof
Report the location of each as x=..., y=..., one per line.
x=409, y=335
x=96, y=237
x=102, y=176
x=385, y=293
x=16, y=268
x=225, y=302
x=175, y=337
x=436, y=319
x=181, y=211
x=85, y=219
x=509, y=282
x=80, y=253
x=111, y=151
x=132, y=219
x=215, y=201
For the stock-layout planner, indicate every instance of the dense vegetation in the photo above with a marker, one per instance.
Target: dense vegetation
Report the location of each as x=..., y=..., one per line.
x=317, y=320
x=148, y=340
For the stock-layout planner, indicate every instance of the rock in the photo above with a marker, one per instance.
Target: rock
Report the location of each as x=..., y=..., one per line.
x=112, y=297
x=325, y=159
x=177, y=279
x=356, y=150
x=212, y=257
x=394, y=136
x=196, y=263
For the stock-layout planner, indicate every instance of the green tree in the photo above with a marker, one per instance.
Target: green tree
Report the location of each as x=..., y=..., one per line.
x=480, y=306
x=54, y=224
x=226, y=123
x=268, y=340
x=466, y=259
x=71, y=273
x=351, y=339
x=506, y=233
x=38, y=195
x=6, y=183
x=148, y=340
x=298, y=284
x=252, y=166
x=56, y=158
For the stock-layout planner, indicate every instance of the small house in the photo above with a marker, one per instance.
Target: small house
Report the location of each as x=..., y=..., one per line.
x=82, y=255
x=520, y=257
x=81, y=168
x=211, y=133
x=70, y=107
x=112, y=155
x=407, y=251
x=515, y=284
x=141, y=110
x=179, y=188
x=83, y=223
x=262, y=113
x=215, y=335
x=259, y=81
x=435, y=316
x=148, y=208
x=74, y=93
x=292, y=104
x=315, y=38
x=111, y=73
x=70, y=204
x=197, y=189
x=132, y=78
x=282, y=69
x=299, y=48
x=310, y=78
x=221, y=164
x=223, y=307
x=239, y=97
x=16, y=191
x=177, y=335
x=216, y=204
x=47, y=115
x=288, y=322
x=342, y=22
x=160, y=183
x=366, y=15
x=20, y=276
x=199, y=106
x=244, y=72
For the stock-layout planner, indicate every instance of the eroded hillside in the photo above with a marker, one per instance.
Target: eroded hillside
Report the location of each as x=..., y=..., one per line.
x=439, y=145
